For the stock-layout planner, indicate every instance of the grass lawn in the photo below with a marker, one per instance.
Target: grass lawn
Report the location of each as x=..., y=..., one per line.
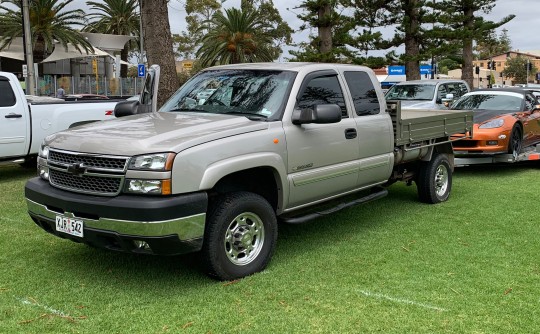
x=470, y=265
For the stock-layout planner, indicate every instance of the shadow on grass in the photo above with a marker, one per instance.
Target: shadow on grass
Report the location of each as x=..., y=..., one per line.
x=137, y=271
x=13, y=172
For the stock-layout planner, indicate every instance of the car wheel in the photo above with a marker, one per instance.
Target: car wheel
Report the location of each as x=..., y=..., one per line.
x=434, y=179
x=516, y=141
x=240, y=236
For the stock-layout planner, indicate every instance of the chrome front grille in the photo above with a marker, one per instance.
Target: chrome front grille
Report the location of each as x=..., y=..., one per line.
x=87, y=173
x=98, y=185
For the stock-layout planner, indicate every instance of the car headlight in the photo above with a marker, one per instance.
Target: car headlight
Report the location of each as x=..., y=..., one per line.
x=148, y=187
x=43, y=151
x=496, y=123
x=154, y=162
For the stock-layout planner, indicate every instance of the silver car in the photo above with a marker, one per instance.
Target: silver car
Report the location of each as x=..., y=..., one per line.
x=427, y=94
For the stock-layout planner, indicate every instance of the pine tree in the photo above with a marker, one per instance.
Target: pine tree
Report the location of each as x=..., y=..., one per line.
x=463, y=25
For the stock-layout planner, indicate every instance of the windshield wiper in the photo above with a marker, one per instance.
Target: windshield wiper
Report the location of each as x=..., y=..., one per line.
x=246, y=114
x=185, y=109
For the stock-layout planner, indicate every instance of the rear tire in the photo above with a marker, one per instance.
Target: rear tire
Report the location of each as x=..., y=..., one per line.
x=240, y=235
x=515, y=142
x=434, y=179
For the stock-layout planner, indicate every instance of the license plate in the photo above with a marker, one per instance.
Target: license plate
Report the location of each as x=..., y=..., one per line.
x=70, y=226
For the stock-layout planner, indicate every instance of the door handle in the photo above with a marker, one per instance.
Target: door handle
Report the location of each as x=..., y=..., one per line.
x=350, y=133
x=12, y=115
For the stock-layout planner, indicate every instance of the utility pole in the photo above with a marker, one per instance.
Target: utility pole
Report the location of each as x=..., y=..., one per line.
x=141, y=33
x=31, y=81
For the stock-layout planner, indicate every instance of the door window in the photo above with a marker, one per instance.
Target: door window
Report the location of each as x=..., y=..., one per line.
x=363, y=93
x=7, y=98
x=529, y=103
x=323, y=90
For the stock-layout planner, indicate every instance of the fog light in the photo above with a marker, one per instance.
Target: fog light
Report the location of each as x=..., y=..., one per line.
x=502, y=137
x=43, y=172
x=492, y=142
x=141, y=245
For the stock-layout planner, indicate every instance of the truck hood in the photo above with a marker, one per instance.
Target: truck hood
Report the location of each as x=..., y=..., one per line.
x=152, y=133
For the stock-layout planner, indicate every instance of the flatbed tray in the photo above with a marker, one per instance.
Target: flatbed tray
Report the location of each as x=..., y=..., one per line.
x=416, y=125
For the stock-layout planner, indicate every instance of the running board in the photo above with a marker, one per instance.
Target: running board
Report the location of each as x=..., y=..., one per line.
x=381, y=192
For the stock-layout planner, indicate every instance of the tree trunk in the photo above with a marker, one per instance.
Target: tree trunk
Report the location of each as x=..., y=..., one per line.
x=159, y=45
x=467, y=66
x=412, y=48
x=325, y=28
x=124, y=56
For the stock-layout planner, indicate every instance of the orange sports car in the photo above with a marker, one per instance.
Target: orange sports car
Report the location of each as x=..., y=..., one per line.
x=505, y=121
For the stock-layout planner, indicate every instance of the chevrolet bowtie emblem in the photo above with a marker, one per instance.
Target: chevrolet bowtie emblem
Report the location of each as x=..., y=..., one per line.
x=76, y=169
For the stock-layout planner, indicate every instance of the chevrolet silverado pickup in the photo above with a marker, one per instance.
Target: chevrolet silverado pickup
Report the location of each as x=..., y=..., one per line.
x=234, y=151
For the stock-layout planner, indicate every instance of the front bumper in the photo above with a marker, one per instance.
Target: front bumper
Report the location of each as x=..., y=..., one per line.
x=484, y=141
x=164, y=225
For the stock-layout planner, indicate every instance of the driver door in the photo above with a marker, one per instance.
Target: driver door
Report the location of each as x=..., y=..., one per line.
x=322, y=158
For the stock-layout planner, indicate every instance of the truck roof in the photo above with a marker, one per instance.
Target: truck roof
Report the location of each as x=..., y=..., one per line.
x=288, y=66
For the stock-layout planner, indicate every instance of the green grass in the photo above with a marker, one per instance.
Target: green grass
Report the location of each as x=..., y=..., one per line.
x=469, y=265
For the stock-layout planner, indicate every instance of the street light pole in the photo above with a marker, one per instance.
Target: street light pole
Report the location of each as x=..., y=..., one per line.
x=30, y=84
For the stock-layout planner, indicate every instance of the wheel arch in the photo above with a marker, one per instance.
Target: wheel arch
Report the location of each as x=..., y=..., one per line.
x=262, y=173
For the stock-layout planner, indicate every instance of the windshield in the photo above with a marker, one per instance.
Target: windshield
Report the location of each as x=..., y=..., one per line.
x=257, y=94
x=489, y=102
x=411, y=92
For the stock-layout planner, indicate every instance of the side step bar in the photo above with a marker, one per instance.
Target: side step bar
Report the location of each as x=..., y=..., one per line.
x=380, y=193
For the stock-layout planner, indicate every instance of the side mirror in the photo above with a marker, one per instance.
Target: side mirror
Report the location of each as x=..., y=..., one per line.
x=126, y=108
x=319, y=114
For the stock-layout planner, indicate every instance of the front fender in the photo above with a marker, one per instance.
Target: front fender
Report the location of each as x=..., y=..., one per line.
x=222, y=168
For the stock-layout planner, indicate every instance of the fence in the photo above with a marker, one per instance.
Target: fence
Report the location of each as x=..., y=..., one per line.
x=48, y=84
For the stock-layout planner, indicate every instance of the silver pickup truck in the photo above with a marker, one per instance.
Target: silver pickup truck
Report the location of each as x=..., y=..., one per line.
x=236, y=150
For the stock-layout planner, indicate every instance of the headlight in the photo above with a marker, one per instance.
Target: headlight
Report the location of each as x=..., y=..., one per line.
x=496, y=123
x=149, y=187
x=155, y=162
x=43, y=151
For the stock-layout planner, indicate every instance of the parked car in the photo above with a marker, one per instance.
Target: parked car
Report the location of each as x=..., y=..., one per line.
x=505, y=121
x=427, y=94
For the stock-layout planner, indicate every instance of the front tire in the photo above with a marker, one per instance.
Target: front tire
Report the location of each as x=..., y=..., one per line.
x=434, y=179
x=240, y=236
x=516, y=142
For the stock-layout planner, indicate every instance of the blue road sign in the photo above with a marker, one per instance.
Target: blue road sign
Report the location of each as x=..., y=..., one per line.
x=141, y=69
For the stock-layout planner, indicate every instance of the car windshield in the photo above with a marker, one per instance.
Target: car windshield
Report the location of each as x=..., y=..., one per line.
x=257, y=94
x=411, y=92
x=488, y=102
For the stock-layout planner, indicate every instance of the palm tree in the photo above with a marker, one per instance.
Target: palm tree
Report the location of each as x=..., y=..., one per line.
x=235, y=37
x=49, y=22
x=117, y=17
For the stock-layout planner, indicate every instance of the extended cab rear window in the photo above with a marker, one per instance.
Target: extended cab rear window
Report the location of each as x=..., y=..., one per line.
x=363, y=93
x=7, y=98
